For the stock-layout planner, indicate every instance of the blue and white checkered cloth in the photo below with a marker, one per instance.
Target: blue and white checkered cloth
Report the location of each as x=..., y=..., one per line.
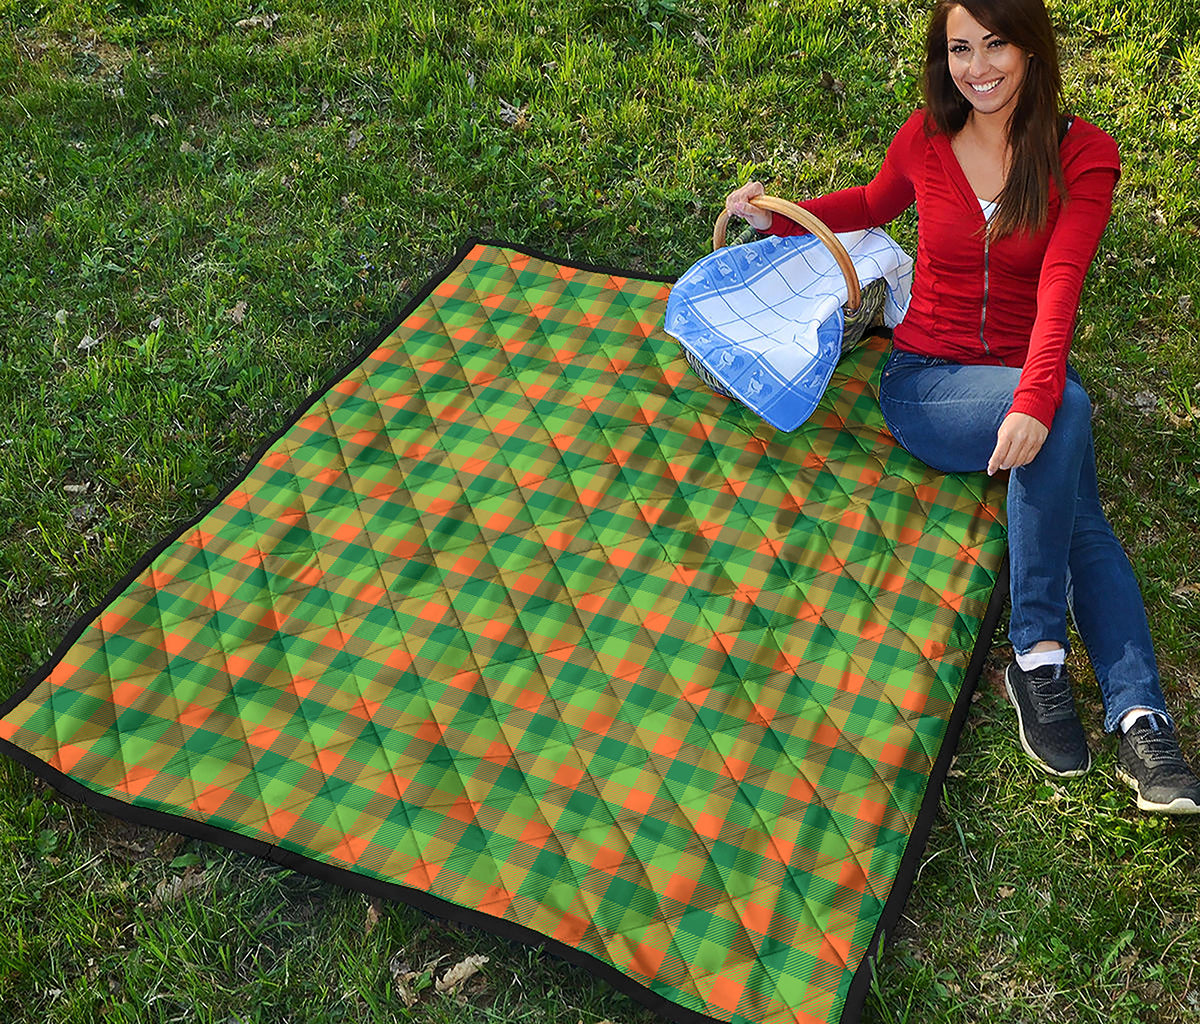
x=765, y=319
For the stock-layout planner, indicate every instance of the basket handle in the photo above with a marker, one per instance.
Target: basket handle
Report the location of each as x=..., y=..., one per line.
x=806, y=220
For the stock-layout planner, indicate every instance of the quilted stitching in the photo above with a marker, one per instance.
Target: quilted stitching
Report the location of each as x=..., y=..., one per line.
x=515, y=616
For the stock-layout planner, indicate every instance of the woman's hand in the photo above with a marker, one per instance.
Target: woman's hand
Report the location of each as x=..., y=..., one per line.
x=1018, y=440
x=737, y=203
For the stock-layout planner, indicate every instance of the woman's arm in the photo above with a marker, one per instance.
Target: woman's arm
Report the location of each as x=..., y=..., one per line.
x=1072, y=247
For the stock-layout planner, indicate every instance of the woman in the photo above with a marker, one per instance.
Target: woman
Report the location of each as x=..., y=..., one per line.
x=1012, y=198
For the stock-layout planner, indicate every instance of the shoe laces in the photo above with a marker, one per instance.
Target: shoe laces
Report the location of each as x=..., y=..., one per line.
x=1158, y=748
x=1052, y=693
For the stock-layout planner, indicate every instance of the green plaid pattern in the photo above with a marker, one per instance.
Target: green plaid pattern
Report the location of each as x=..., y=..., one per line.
x=519, y=615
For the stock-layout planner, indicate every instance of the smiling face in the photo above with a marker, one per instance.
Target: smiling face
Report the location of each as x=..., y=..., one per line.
x=987, y=69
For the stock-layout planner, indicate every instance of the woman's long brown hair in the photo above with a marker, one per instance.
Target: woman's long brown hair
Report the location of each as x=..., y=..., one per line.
x=1035, y=125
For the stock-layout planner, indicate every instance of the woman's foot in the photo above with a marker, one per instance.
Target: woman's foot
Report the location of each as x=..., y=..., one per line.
x=1149, y=760
x=1051, y=732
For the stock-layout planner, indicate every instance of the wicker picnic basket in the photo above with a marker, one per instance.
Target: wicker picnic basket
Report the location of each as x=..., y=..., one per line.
x=862, y=308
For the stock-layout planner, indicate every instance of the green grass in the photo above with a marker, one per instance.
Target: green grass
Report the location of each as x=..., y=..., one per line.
x=199, y=222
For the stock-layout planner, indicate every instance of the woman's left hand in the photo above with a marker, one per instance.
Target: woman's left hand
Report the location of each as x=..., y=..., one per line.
x=1018, y=441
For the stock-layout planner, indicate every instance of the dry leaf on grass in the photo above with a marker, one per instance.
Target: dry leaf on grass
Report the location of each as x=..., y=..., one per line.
x=1145, y=401
x=171, y=889
x=374, y=913
x=513, y=115
x=405, y=980
x=168, y=846
x=87, y=341
x=411, y=983
x=257, y=21
x=460, y=972
x=831, y=84
x=238, y=313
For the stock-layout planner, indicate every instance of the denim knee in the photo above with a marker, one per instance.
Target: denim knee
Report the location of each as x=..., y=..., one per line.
x=1075, y=403
x=1072, y=426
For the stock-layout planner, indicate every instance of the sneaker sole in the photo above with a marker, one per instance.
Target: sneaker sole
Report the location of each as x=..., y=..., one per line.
x=1180, y=805
x=1071, y=774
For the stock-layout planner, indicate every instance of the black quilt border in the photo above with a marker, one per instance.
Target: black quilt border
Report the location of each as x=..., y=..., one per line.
x=861, y=981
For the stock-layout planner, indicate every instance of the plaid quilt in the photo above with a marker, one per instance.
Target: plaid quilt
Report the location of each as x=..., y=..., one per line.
x=518, y=621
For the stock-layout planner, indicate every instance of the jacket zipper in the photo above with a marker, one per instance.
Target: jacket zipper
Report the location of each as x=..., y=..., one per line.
x=983, y=309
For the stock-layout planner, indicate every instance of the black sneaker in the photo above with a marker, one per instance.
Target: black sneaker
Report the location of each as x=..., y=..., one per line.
x=1050, y=729
x=1149, y=760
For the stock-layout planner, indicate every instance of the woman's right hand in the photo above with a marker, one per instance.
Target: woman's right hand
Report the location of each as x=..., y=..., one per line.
x=737, y=203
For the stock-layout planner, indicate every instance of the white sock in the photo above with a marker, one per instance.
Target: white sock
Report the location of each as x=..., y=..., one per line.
x=1130, y=717
x=1036, y=659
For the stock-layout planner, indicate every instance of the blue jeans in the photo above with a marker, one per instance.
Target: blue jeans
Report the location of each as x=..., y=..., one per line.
x=1062, y=551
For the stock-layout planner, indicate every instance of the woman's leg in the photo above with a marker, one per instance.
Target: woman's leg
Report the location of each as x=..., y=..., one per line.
x=1061, y=547
x=1060, y=542
x=1108, y=609
x=1102, y=591
x=947, y=415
